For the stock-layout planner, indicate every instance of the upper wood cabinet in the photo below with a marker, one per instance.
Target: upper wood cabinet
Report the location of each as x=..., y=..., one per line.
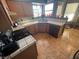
x=5, y=23
x=21, y=9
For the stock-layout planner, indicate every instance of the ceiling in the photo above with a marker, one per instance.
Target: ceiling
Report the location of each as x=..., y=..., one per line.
x=73, y=1
x=45, y=1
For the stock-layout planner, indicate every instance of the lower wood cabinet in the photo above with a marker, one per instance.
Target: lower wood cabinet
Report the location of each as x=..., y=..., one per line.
x=54, y=30
x=38, y=28
x=47, y=27
x=43, y=27
x=29, y=53
x=32, y=28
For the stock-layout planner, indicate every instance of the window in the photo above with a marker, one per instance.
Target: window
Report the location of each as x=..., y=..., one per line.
x=49, y=9
x=70, y=11
x=37, y=11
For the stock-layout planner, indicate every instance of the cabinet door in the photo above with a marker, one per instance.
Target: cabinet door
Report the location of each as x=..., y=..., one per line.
x=29, y=53
x=46, y=27
x=28, y=28
x=54, y=30
x=35, y=28
x=5, y=23
x=32, y=28
x=40, y=27
x=43, y=27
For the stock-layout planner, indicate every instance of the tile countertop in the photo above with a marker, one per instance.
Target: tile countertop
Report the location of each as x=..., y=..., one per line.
x=35, y=21
x=47, y=20
x=50, y=22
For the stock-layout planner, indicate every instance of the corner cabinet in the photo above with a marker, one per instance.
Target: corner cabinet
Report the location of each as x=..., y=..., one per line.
x=56, y=30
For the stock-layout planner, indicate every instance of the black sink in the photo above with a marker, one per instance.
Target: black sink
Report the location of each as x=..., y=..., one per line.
x=19, y=34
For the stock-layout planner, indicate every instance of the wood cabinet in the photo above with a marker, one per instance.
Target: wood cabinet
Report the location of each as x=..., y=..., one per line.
x=32, y=28
x=29, y=53
x=54, y=30
x=38, y=28
x=5, y=23
x=43, y=27
x=47, y=27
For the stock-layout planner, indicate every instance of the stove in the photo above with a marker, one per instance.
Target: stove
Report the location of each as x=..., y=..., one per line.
x=19, y=34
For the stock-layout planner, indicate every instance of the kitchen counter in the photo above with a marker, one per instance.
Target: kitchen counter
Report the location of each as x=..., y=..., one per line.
x=22, y=25
x=50, y=22
x=48, y=25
